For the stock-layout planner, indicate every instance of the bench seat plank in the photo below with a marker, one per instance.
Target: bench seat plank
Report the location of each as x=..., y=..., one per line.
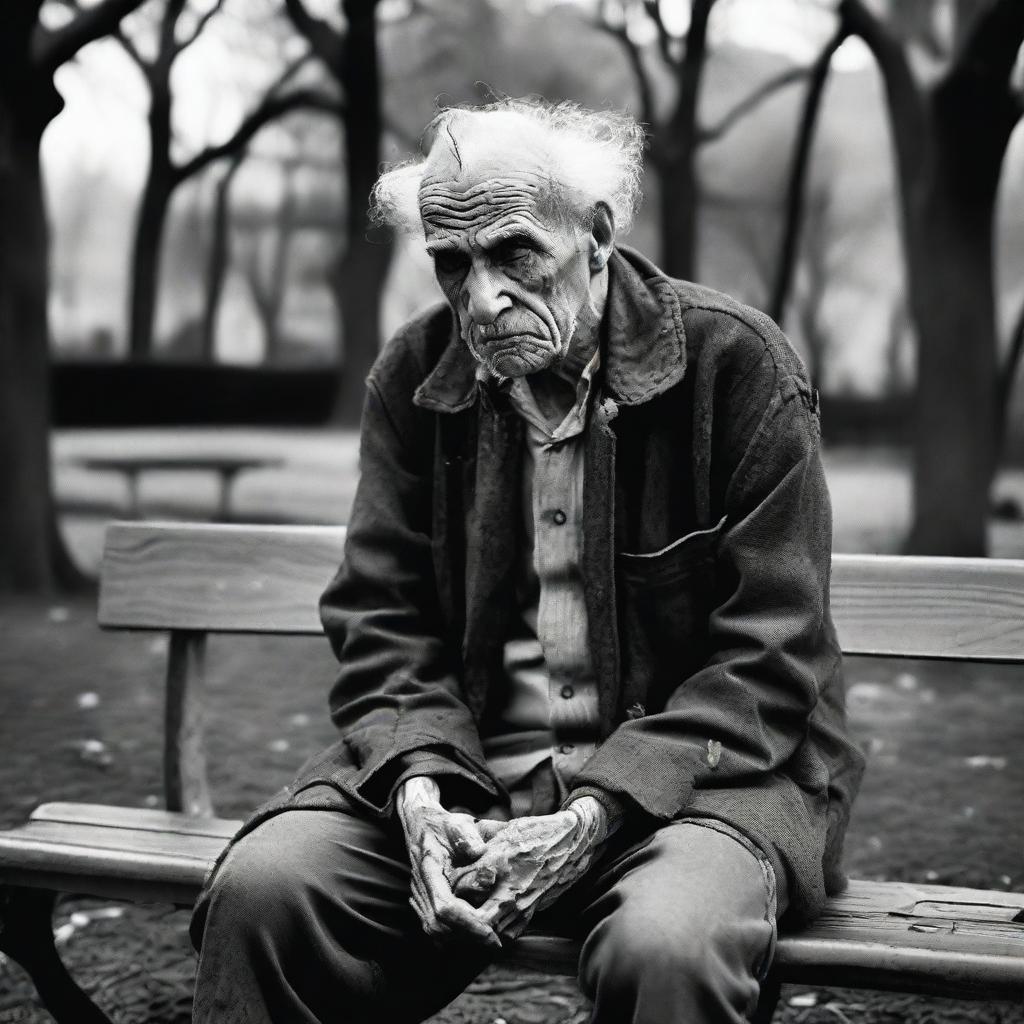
x=922, y=938
x=114, y=852
x=135, y=818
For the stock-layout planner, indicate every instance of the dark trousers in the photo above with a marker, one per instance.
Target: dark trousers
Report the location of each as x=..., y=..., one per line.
x=308, y=920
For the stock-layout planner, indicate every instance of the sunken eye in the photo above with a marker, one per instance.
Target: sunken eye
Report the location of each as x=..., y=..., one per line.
x=451, y=261
x=513, y=251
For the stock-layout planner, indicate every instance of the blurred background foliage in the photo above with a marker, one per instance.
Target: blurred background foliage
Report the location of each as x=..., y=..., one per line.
x=183, y=194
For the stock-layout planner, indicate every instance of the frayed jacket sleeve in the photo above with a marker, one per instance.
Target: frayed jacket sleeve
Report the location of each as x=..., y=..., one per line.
x=746, y=710
x=397, y=700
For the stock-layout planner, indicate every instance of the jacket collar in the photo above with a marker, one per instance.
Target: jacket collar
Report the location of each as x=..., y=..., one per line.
x=643, y=336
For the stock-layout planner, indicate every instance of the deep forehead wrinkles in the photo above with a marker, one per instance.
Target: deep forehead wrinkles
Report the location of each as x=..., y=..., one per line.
x=449, y=208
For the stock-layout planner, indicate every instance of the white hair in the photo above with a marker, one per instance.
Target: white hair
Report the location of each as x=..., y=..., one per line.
x=592, y=157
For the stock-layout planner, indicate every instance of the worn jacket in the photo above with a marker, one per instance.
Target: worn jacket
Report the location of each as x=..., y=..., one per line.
x=706, y=558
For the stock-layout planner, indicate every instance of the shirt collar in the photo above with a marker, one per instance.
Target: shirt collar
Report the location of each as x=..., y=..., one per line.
x=521, y=395
x=645, y=342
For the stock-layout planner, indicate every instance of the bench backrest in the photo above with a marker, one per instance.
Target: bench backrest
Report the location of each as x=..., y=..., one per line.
x=195, y=579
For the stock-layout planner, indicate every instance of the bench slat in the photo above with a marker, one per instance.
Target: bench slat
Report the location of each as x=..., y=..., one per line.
x=969, y=609
x=220, y=578
x=941, y=940
x=217, y=578
x=144, y=818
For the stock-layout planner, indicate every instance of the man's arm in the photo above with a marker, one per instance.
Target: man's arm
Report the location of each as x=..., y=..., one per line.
x=745, y=712
x=397, y=693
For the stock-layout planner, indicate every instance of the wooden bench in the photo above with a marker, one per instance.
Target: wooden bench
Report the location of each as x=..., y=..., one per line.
x=193, y=580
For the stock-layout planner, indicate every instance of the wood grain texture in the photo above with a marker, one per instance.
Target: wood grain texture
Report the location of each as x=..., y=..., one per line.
x=219, y=578
x=960, y=608
x=185, y=783
x=269, y=579
x=917, y=938
x=129, y=853
x=136, y=818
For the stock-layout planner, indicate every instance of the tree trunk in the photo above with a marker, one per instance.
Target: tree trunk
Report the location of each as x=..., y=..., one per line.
x=219, y=258
x=676, y=162
x=363, y=269
x=952, y=300
x=362, y=273
x=149, y=227
x=29, y=542
x=677, y=181
x=950, y=146
x=795, y=191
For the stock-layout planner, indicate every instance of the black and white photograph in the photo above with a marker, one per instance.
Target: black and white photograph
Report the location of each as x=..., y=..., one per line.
x=512, y=512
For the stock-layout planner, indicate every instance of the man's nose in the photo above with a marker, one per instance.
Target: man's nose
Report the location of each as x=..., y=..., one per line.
x=484, y=296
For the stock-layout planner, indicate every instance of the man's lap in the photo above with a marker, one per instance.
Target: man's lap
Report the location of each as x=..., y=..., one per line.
x=360, y=865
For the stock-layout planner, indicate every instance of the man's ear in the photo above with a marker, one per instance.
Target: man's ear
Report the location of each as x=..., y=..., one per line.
x=602, y=237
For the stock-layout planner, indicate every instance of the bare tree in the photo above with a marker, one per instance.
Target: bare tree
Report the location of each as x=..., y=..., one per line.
x=32, y=557
x=165, y=174
x=265, y=266
x=350, y=55
x=796, y=187
x=950, y=138
x=219, y=258
x=676, y=139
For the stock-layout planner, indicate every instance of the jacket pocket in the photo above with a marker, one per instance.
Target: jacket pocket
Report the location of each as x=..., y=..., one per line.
x=673, y=562
x=668, y=596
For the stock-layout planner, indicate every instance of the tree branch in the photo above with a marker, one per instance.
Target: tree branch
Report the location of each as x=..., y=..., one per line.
x=636, y=63
x=272, y=108
x=653, y=9
x=129, y=47
x=751, y=102
x=201, y=22
x=324, y=41
x=54, y=47
x=786, y=265
x=992, y=42
x=908, y=113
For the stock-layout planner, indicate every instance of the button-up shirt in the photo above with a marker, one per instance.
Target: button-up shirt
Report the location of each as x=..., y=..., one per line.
x=550, y=711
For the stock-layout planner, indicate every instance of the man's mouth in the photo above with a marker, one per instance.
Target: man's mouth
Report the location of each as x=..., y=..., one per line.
x=501, y=339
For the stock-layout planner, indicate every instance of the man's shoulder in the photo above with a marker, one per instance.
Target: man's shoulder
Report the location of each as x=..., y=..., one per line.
x=414, y=349
x=732, y=335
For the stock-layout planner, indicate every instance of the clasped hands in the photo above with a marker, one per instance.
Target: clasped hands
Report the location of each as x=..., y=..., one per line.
x=484, y=879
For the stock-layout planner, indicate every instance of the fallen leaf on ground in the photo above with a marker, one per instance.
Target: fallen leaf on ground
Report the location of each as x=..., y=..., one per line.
x=804, y=999
x=985, y=761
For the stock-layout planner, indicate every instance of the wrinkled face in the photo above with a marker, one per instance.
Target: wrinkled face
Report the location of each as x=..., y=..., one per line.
x=517, y=276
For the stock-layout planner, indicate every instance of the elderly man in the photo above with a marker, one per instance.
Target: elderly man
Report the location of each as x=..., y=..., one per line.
x=588, y=668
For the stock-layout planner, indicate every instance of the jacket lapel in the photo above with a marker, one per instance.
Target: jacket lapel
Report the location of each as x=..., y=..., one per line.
x=599, y=556
x=491, y=543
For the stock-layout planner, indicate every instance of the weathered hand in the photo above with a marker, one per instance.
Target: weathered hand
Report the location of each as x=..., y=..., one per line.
x=439, y=842
x=530, y=862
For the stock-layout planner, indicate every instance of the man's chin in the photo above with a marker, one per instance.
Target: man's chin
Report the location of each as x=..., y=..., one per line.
x=520, y=360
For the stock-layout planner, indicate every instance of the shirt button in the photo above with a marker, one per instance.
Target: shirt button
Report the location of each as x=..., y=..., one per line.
x=559, y=517
x=567, y=691
x=566, y=748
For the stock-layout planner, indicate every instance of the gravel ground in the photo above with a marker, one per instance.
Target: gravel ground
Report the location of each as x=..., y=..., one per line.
x=925, y=812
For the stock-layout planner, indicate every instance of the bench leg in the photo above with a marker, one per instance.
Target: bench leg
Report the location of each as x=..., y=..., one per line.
x=771, y=991
x=26, y=936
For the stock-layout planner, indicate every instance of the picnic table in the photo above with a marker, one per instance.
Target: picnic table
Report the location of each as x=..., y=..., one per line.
x=227, y=468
